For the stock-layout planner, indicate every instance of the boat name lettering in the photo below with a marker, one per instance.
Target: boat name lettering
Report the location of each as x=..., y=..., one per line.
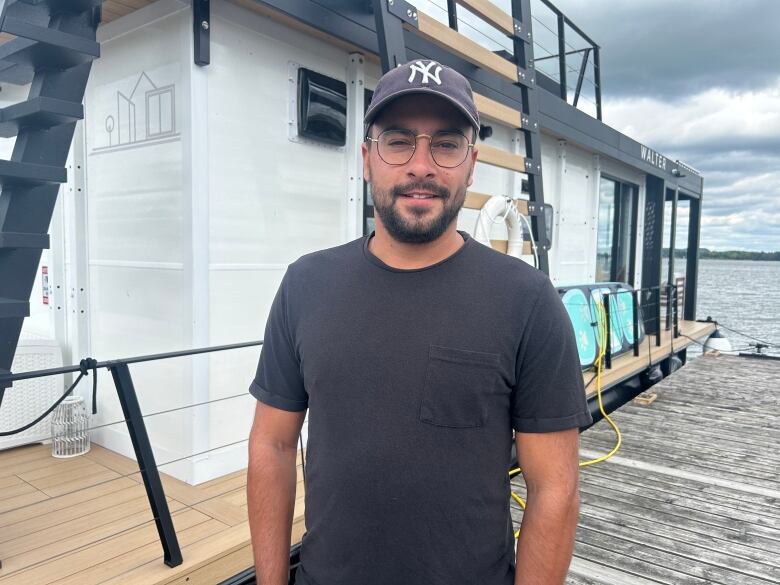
x=650, y=156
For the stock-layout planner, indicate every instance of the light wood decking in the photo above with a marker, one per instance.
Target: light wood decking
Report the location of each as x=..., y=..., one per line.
x=626, y=365
x=87, y=520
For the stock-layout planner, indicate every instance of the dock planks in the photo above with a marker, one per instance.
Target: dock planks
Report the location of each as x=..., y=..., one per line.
x=693, y=496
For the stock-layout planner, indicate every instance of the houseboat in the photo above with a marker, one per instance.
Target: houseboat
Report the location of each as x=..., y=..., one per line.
x=164, y=162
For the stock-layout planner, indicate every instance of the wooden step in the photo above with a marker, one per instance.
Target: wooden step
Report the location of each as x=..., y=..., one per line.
x=491, y=14
x=454, y=42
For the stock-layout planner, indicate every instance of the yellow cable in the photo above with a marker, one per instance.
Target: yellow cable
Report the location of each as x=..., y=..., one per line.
x=602, y=329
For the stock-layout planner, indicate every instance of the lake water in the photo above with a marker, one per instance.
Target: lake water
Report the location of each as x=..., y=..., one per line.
x=742, y=295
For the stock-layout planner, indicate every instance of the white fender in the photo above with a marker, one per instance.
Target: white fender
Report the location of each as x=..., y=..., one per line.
x=496, y=209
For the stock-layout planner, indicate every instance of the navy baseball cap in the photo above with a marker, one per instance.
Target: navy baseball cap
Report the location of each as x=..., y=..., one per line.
x=424, y=76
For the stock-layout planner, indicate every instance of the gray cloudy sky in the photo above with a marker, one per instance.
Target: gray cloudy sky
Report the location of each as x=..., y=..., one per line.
x=698, y=80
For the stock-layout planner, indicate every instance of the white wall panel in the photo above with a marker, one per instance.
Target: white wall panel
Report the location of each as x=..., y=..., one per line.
x=272, y=200
x=576, y=221
x=140, y=298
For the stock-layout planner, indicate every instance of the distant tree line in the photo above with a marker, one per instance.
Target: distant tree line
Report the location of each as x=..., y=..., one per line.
x=726, y=255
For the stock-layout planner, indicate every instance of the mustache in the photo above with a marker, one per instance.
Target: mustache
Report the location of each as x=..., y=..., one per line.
x=428, y=186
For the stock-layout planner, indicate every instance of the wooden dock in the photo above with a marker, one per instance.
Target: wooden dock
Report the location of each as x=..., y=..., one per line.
x=693, y=496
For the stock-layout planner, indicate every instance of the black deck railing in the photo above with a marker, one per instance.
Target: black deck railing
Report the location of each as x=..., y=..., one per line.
x=590, y=56
x=136, y=427
x=652, y=301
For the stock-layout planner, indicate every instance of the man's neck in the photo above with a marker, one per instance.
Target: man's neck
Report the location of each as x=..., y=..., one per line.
x=413, y=256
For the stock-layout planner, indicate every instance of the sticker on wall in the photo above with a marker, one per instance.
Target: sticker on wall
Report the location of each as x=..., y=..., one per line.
x=45, y=284
x=135, y=112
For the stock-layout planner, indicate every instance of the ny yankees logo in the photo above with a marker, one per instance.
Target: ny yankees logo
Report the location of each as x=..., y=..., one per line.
x=425, y=71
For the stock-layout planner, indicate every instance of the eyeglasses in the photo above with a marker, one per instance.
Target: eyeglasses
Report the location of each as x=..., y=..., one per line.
x=396, y=147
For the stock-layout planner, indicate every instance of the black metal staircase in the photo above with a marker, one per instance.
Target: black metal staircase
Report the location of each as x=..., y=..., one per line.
x=53, y=50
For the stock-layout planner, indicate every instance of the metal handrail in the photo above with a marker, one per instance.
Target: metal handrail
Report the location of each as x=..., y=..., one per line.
x=8, y=378
x=136, y=427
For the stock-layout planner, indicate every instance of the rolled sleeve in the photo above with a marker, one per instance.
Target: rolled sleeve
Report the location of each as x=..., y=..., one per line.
x=279, y=381
x=549, y=394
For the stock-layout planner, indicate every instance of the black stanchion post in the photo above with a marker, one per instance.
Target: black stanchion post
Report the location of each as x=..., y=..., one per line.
x=608, y=340
x=635, y=308
x=676, y=316
x=143, y=453
x=658, y=317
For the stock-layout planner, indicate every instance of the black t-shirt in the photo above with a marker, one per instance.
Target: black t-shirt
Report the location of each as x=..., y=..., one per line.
x=414, y=380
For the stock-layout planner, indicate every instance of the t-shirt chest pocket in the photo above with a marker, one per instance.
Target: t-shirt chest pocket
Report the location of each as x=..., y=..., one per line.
x=458, y=383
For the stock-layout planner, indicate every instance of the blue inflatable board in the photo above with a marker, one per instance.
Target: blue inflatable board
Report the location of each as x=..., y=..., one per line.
x=625, y=313
x=581, y=302
x=616, y=331
x=585, y=332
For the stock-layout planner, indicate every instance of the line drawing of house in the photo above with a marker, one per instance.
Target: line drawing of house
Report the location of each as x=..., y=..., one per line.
x=146, y=115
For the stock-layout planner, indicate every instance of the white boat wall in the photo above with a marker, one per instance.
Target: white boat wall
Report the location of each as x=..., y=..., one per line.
x=190, y=191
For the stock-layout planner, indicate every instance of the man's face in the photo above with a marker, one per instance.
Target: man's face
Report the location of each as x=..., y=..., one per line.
x=416, y=202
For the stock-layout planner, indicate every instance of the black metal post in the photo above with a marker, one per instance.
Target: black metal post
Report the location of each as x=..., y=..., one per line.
x=452, y=13
x=675, y=308
x=201, y=26
x=583, y=66
x=597, y=76
x=692, y=263
x=562, y=57
x=635, y=308
x=672, y=246
x=524, y=56
x=658, y=317
x=143, y=453
x=390, y=34
x=608, y=340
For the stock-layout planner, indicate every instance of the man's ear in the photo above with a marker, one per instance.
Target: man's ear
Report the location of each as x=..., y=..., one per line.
x=474, y=154
x=366, y=167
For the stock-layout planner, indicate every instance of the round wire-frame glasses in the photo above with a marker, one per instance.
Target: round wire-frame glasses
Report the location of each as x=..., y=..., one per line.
x=396, y=147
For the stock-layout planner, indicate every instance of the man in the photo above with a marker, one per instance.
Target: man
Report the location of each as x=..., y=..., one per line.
x=417, y=351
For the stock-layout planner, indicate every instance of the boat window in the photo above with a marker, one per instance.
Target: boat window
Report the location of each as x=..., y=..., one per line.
x=616, y=234
x=322, y=107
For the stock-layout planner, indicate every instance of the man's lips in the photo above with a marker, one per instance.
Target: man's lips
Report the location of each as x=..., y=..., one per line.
x=419, y=195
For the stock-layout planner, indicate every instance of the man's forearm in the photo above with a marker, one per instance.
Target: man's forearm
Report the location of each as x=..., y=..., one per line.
x=546, y=541
x=271, y=479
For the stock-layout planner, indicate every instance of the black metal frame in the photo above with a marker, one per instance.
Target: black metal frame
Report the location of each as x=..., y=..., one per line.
x=564, y=21
x=201, y=30
x=654, y=292
x=128, y=399
x=390, y=35
x=524, y=56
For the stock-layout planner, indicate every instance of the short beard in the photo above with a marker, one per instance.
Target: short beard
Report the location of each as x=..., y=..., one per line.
x=420, y=231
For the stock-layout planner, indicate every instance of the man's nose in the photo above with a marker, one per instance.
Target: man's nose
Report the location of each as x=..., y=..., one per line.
x=422, y=164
